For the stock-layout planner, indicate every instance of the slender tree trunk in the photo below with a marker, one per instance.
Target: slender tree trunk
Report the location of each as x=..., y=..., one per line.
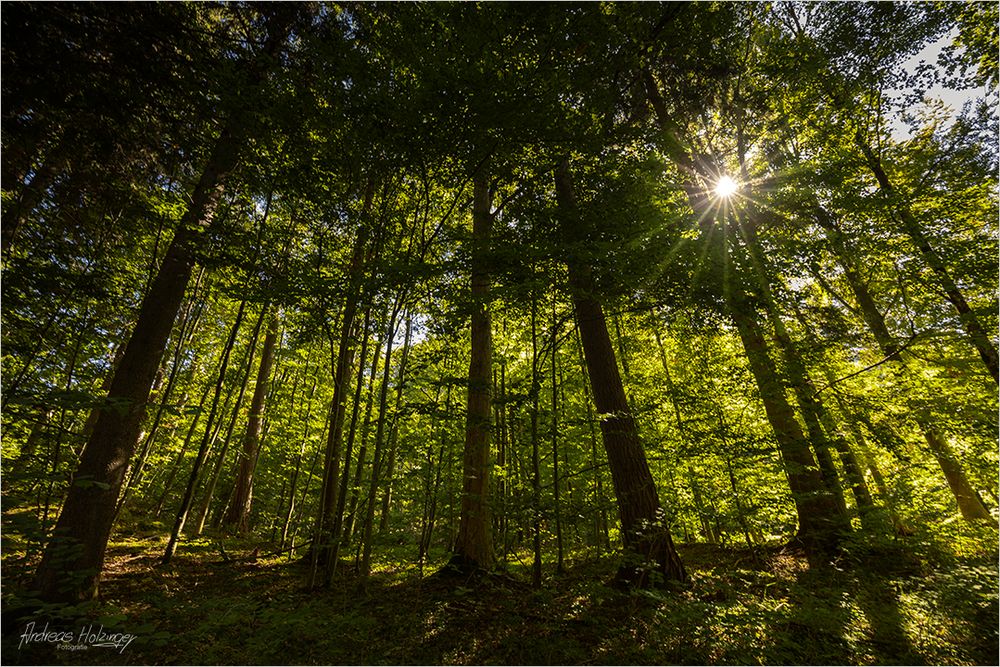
x=536, y=468
x=643, y=531
x=352, y=507
x=237, y=518
x=188, y=322
x=175, y=467
x=699, y=505
x=555, y=443
x=390, y=470
x=293, y=484
x=978, y=336
x=428, y=533
x=325, y=545
x=345, y=480
x=71, y=565
x=500, y=419
x=820, y=519
x=474, y=546
x=366, y=543
x=192, y=484
x=227, y=439
x=969, y=503
x=809, y=405
x=601, y=536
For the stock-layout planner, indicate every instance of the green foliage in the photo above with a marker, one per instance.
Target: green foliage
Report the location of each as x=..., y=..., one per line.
x=354, y=183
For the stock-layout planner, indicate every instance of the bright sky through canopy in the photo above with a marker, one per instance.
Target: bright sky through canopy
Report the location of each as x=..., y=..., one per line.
x=725, y=186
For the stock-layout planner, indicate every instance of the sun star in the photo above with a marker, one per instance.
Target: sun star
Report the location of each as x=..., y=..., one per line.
x=726, y=186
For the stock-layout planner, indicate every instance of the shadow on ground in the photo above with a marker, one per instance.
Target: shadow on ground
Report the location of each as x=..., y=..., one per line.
x=740, y=608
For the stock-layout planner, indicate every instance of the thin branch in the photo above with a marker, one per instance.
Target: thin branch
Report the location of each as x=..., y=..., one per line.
x=889, y=357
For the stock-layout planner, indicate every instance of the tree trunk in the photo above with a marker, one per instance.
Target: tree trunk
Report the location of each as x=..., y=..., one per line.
x=175, y=467
x=978, y=336
x=601, y=536
x=237, y=518
x=293, y=484
x=965, y=496
x=188, y=322
x=366, y=543
x=555, y=442
x=227, y=439
x=805, y=393
x=352, y=507
x=206, y=440
x=643, y=531
x=326, y=537
x=390, y=469
x=474, y=546
x=345, y=481
x=969, y=503
x=536, y=468
x=820, y=519
x=76, y=551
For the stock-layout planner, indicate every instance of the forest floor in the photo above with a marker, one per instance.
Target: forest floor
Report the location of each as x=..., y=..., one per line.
x=893, y=604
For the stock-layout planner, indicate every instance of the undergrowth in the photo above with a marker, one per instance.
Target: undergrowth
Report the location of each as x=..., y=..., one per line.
x=929, y=600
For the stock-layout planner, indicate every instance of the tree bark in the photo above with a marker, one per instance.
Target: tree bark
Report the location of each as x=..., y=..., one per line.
x=366, y=542
x=820, y=519
x=227, y=439
x=812, y=410
x=326, y=542
x=294, y=482
x=390, y=468
x=643, y=530
x=474, y=546
x=72, y=561
x=554, y=341
x=70, y=567
x=238, y=516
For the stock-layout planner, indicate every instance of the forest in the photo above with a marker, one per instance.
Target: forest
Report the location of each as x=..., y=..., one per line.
x=500, y=333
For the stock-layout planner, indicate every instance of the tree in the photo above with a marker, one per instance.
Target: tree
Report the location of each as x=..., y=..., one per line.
x=643, y=532
x=70, y=567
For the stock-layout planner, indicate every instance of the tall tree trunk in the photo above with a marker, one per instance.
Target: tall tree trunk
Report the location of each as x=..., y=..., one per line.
x=969, y=503
x=601, y=536
x=71, y=565
x=978, y=336
x=188, y=322
x=293, y=483
x=206, y=440
x=643, y=531
x=176, y=466
x=345, y=480
x=238, y=516
x=474, y=546
x=227, y=439
x=536, y=467
x=554, y=341
x=76, y=551
x=500, y=496
x=820, y=519
x=325, y=545
x=377, y=454
x=352, y=507
x=390, y=469
x=805, y=393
